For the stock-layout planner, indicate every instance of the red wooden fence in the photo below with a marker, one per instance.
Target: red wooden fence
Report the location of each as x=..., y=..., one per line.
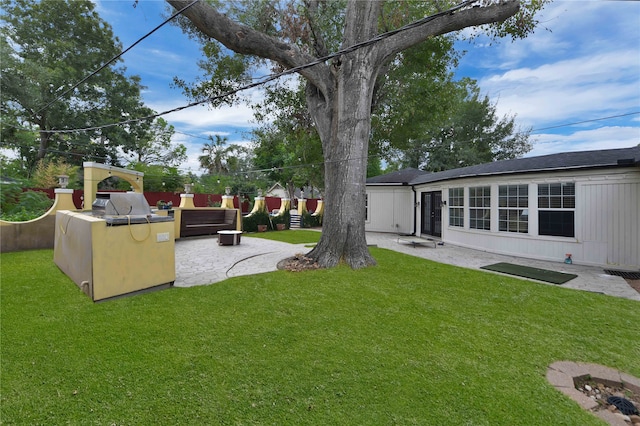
x=199, y=200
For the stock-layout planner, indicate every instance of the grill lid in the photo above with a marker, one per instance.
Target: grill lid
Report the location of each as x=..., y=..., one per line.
x=124, y=208
x=120, y=204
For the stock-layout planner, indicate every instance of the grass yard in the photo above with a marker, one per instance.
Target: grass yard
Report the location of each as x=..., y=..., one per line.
x=291, y=236
x=406, y=342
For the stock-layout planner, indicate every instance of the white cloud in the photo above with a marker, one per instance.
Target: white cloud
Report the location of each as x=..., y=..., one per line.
x=586, y=140
x=579, y=88
x=582, y=63
x=206, y=119
x=594, y=68
x=540, y=105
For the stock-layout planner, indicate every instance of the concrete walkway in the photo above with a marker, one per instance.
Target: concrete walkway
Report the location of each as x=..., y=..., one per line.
x=201, y=261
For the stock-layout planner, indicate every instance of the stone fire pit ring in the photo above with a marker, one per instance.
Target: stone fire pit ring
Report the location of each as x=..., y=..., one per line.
x=563, y=375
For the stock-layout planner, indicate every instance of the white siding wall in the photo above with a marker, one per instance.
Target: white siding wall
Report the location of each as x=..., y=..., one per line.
x=390, y=209
x=607, y=219
x=610, y=225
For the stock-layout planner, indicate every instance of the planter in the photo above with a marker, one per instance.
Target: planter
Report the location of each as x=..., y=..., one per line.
x=262, y=228
x=280, y=226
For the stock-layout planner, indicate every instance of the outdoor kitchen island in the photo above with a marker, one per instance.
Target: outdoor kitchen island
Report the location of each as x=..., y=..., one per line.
x=109, y=255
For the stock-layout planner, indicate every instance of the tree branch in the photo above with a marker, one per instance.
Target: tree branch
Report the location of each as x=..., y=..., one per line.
x=245, y=40
x=443, y=24
x=319, y=45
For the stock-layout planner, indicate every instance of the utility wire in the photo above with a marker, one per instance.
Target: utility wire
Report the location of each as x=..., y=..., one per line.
x=116, y=57
x=191, y=135
x=91, y=144
x=586, y=121
x=276, y=76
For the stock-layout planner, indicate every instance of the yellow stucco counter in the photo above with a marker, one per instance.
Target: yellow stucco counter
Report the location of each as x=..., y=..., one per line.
x=107, y=261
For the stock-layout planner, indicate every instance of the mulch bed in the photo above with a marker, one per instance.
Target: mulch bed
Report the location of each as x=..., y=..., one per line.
x=298, y=263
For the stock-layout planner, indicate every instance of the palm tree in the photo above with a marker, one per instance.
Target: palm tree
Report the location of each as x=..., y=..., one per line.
x=214, y=159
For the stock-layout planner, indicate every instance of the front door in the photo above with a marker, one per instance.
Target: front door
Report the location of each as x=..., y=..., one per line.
x=431, y=213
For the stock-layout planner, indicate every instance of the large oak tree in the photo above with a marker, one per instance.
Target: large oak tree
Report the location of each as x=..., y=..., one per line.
x=340, y=90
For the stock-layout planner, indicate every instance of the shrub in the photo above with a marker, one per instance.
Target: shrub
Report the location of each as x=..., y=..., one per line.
x=211, y=203
x=250, y=223
x=283, y=218
x=24, y=205
x=310, y=221
x=46, y=174
x=9, y=194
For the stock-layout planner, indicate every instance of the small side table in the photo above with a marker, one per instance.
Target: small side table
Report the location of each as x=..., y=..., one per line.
x=229, y=238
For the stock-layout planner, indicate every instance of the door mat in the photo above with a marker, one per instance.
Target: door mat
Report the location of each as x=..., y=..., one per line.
x=529, y=272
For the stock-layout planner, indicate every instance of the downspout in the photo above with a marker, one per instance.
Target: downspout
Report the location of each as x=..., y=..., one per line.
x=415, y=216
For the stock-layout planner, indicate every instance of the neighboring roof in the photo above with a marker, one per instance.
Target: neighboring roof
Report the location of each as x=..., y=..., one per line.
x=623, y=157
x=309, y=191
x=275, y=186
x=399, y=177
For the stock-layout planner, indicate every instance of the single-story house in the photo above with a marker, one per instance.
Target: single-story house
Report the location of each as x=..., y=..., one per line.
x=584, y=203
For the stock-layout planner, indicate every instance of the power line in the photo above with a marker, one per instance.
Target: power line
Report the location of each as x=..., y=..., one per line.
x=276, y=76
x=89, y=144
x=116, y=57
x=585, y=121
x=192, y=136
x=234, y=173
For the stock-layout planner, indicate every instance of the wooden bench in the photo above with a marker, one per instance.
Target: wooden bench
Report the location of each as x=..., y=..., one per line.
x=207, y=222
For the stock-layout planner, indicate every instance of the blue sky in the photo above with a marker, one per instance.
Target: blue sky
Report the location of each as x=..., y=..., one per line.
x=581, y=64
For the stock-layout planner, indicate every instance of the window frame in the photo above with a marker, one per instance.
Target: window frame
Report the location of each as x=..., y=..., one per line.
x=456, y=206
x=513, y=208
x=556, y=209
x=480, y=207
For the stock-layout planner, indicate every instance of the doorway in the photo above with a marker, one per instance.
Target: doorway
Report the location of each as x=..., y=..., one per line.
x=431, y=214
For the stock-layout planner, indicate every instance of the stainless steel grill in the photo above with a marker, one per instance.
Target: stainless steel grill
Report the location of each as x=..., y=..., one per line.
x=124, y=208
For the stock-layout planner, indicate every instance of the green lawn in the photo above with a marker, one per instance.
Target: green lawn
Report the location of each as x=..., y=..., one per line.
x=298, y=236
x=406, y=342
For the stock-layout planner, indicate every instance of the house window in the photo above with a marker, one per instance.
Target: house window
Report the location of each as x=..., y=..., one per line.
x=513, y=212
x=556, y=209
x=480, y=207
x=456, y=206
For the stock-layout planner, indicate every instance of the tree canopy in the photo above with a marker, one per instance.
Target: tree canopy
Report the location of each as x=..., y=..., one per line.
x=154, y=146
x=468, y=133
x=218, y=158
x=47, y=48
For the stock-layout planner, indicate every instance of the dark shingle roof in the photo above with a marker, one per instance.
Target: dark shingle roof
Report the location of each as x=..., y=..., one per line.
x=399, y=177
x=623, y=157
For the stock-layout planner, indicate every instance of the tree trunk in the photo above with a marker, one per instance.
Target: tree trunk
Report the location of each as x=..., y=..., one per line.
x=344, y=124
x=44, y=144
